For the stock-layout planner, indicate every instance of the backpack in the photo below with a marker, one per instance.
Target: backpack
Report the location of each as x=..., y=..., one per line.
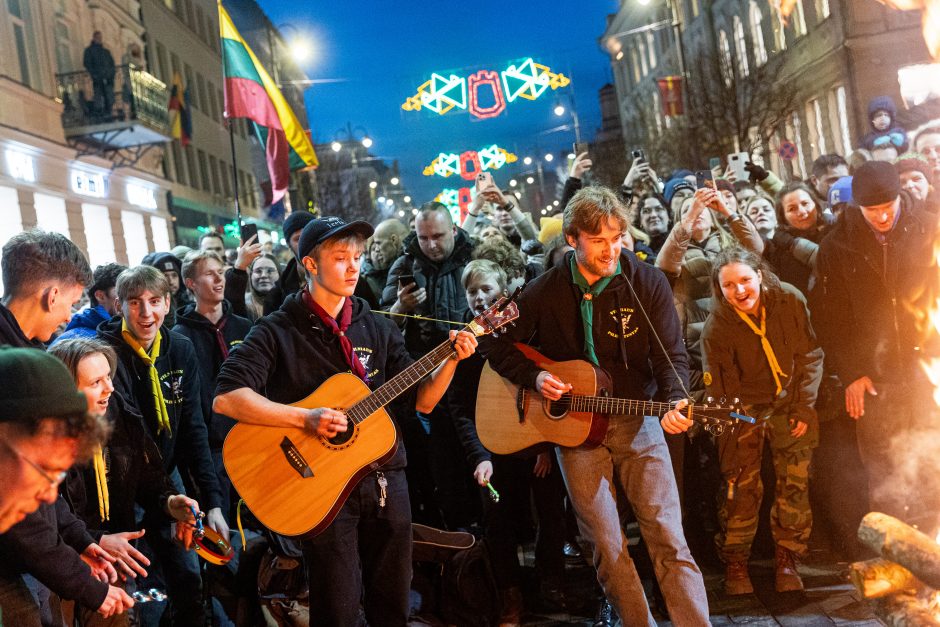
x=465, y=591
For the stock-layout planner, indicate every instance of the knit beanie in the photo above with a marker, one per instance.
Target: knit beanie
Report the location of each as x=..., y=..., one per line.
x=912, y=161
x=296, y=222
x=875, y=183
x=35, y=385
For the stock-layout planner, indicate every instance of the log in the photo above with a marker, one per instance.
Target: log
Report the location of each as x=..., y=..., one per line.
x=901, y=543
x=905, y=610
x=878, y=577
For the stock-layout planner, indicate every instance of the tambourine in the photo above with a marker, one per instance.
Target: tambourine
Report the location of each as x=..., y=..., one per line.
x=209, y=545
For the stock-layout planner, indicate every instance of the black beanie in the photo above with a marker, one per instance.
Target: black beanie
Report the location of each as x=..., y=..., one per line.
x=875, y=183
x=296, y=222
x=35, y=385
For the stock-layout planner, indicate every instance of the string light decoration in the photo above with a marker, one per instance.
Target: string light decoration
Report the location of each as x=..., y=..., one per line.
x=457, y=201
x=470, y=163
x=527, y=80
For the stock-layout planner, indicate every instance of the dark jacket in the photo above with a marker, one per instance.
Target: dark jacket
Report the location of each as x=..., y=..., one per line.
x=46, y=544
x=446, y=297
x=375, y=280
x=290, y=282
x=894, y=135
x=98, y=61
x=792, y=253
x=289, y=354
x=84, y=324
x=550, y=320
x=236, y=284
x=202, y=334
x=135, y=476
x=737, y=365
x=866, y=293
x=187, y=444
x=462, y=406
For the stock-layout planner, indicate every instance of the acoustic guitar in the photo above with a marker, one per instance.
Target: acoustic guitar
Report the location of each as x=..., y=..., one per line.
x=294, y=481
x=512, y=419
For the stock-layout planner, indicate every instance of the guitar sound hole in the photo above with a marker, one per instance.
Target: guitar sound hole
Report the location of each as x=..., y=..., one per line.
x=342, y=438
x=556, y=410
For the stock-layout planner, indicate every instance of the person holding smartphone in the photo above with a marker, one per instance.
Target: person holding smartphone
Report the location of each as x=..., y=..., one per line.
x=504, y=212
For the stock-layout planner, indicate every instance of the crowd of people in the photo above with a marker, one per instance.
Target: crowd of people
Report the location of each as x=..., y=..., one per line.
x=803, y=301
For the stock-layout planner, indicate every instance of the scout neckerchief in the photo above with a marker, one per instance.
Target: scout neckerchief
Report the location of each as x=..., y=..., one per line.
x=101, y=479
x=588, y=293
x=761, y=332
x=338, y=327
x=163, y=420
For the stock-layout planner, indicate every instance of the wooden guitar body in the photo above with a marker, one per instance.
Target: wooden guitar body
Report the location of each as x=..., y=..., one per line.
x=511, y=419
x=296, y=482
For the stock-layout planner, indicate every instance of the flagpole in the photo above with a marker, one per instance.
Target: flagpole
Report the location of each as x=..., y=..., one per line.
x=231, y=133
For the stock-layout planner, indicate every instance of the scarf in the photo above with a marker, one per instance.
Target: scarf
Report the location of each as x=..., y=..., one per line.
x=101, y=479
x=338, y=327
x=588, y=293
x=761, y=332
x=163, y=420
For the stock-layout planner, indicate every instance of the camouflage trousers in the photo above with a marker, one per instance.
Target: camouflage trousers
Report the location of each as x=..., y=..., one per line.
x=790, y=516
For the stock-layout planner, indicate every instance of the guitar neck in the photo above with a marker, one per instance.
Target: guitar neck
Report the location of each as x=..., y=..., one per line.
x=618, y=406
x=400, y=383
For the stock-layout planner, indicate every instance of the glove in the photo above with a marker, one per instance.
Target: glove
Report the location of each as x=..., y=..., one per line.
x=757, y=173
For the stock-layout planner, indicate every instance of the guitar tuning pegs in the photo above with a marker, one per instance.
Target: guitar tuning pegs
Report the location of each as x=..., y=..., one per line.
x=736, y=401
x=722, y=400
x=709, y=400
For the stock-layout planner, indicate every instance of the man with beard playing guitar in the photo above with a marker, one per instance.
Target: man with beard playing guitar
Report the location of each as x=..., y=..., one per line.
x=365, y=553
x=603, y=305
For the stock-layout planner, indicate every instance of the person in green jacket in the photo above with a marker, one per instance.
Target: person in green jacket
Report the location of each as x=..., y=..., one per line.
x=759, y=346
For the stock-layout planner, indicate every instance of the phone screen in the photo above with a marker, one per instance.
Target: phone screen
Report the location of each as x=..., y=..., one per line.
x=248, y=231
x=705, y=178
x=406, y=279
x=580, y=147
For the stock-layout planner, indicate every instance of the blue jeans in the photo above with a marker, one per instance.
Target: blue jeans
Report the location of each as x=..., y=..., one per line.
x=634, y=460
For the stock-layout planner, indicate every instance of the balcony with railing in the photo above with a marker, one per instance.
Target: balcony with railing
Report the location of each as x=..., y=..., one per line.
x=120, y=117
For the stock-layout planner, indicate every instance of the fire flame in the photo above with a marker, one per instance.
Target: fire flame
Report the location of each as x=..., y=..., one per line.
x=931, y=21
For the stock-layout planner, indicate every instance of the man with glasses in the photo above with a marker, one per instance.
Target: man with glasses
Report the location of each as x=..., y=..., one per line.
x=44, y=429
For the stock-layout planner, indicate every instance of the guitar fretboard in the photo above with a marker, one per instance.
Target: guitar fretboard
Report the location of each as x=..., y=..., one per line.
x=618, y=406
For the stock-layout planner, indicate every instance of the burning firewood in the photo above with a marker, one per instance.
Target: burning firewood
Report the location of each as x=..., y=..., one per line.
x=905, y=610
x=878, y=577
x=901, y=543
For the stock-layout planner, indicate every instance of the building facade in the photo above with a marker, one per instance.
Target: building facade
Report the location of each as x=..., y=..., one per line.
x=834, y=56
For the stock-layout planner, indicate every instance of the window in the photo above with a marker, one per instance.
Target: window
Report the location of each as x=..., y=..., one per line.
x=165, y=73
x=199, y=24
x=798, y=17
x=98, y=238
x=191, y=167
x=817, y=134
x=695, y=8
x=641, y=46
x=170, y=4
x=740, y=47
x=213, y=102
x=63, y=47
x=190, y=87
x=780, y=33
x=797, y=138
x=724, y=61
x=214, y=171
x=179, y=167
x=201, y=88
x=636, y=66
x=51, y=214
x=757, y=34
x=651, y=47
x=842, y=118
x=658, y=112
x=161, y=233
x=204, y=171
x=226, y=184
x=190, y=16
x=135, y=237
x=822, y=10
x=18, y=19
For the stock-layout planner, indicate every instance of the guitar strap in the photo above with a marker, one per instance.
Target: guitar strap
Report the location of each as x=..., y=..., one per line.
x=652, y=328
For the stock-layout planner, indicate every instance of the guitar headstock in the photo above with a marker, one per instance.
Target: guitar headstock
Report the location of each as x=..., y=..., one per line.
x=498, y=315
x=718, y=414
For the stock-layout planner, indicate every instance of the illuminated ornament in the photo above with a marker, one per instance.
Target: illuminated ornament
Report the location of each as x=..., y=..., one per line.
x=489, y=158
x=458, y=202
x=530, y=80
x=481, y=79
x=439, y=94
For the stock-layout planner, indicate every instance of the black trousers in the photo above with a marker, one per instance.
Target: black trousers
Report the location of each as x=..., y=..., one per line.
x=362, y=561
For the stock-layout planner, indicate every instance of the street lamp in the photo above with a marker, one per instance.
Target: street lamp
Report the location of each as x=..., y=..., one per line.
x=560, y=110
x=373, y=184
x=394, y=180
x=336, y=146
x=367, y=142
x=513, y=182
x=527, y=161
x=407, y=199
x=549, y=157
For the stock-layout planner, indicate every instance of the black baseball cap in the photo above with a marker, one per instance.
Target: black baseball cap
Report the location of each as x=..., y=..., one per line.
x=319, y=230
x=36, y=385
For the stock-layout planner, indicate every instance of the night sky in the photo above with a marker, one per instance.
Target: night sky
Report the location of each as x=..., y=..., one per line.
x=384, y=50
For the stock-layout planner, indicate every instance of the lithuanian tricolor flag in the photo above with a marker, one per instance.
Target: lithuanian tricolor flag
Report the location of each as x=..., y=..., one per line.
x=251, y=93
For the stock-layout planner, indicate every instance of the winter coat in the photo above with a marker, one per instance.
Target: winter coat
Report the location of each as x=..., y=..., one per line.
x=894, y=135
x=791, y=252
x=290, y=353
x=291, y=281
x=186, y=444
x=866, y=294
x=625, y=344
x=446, y=298
x=690, y=264
x=84, y=324
x=736, y=366
x=12, y=335
x=201, y=333
x=135, y=476
x=98, y=62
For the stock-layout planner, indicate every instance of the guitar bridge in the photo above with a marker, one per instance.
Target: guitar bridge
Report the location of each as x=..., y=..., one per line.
x=295, y=459
x=520, y=404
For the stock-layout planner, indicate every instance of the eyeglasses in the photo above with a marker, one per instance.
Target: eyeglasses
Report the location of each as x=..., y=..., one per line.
x=54, y=479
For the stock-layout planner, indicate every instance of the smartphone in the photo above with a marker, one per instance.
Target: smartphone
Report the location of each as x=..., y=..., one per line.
x=248, y=230
x=484, y=179
x=705, y=178
x=713, y=163
x=736, y=163
x=638, y=154
x=580, y=147
x=405, y=280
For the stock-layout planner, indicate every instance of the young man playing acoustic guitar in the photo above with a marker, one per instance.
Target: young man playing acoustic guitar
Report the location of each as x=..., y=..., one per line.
x=604, y=306
x=365, y=553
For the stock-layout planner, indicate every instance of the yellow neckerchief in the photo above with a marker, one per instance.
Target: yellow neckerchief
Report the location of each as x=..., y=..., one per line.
x=101, y=478
x=761, y=332
x=163, y=420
